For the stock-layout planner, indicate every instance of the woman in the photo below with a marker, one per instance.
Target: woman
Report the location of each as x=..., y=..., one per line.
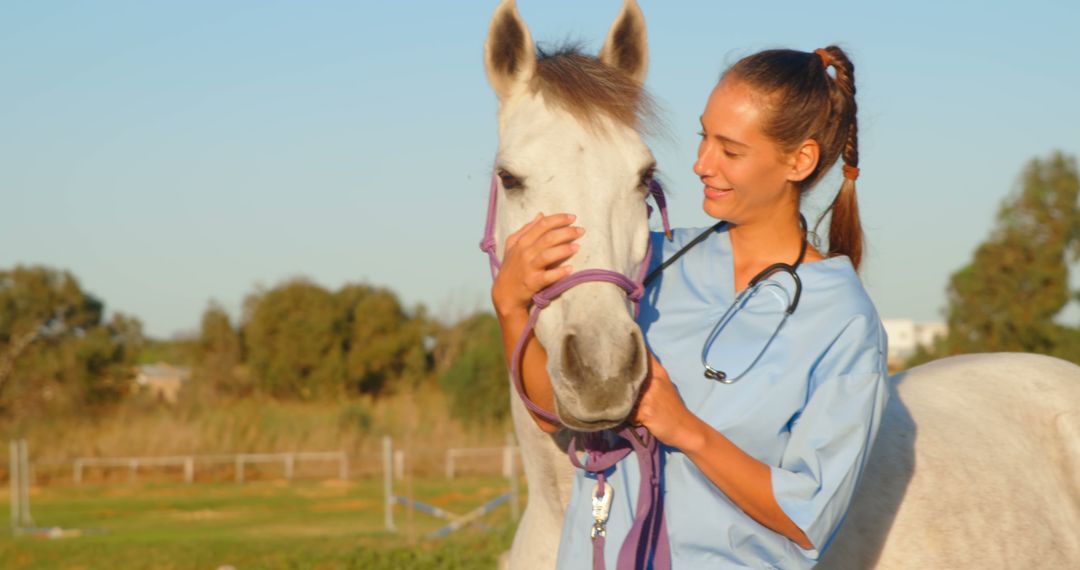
x=758, y=473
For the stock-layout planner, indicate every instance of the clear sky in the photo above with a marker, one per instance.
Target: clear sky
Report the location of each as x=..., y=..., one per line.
x=173, y=153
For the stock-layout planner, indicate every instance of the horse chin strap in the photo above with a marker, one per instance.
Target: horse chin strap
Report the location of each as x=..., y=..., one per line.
x=647, y=540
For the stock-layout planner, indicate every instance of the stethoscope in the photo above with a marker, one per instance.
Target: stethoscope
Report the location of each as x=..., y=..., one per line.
x=758, y=282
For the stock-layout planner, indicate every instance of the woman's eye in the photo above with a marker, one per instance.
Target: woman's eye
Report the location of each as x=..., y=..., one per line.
x=701, y=134
x=509, y=181
x=730, y=154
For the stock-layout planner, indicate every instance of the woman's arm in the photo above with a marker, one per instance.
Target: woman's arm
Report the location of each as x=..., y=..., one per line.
x=531, y=261
x=534, y=376
x=745, y=480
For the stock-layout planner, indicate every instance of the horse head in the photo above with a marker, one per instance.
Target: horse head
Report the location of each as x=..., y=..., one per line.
x=570, y=141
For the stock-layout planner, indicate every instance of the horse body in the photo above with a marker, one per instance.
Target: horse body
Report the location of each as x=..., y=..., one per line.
x=977, y=460
x=976, y=465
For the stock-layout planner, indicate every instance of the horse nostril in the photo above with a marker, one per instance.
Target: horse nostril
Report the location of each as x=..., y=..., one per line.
x=634, y=365
x=574, y=366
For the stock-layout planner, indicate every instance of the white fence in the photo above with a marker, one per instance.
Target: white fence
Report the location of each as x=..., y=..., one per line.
x=507, y=454
x=190, y=468
x=188, y=462
x=394, y=465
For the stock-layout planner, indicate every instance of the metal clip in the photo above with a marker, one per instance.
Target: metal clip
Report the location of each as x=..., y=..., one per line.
x=601, y=508
x=598, y=530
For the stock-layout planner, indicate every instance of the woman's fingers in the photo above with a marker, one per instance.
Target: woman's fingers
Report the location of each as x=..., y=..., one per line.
x=513, y=238
x=530, y=257
x=657, y=370
x=537, y=230
x=538, y=280
x=553, y=255
x=552, y=275
x=560, y=235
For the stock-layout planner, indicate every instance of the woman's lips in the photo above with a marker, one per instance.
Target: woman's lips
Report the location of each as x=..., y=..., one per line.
x=714, y=193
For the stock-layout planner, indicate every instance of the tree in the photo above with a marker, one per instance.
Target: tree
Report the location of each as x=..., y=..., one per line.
x=54, y=347
x=1008, y=297
x=218, y=354
x=475, y=370
x=305, y=342
x=381, y=342
x=292, y=337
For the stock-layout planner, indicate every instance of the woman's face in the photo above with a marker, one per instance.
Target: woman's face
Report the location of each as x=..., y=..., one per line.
x=746, y=176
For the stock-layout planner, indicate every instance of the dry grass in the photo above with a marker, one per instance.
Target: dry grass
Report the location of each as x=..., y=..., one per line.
x=417, y=420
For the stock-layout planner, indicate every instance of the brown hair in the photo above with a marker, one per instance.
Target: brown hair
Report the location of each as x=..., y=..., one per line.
x=586, y=88
x=804, y=102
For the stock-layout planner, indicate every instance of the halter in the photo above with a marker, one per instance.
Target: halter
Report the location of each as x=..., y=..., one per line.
x=648, y=535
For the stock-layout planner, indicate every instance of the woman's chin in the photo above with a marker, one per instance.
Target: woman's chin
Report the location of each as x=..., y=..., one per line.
x=715, y=210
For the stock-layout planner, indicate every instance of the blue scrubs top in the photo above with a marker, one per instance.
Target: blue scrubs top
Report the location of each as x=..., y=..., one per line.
x=810, y=408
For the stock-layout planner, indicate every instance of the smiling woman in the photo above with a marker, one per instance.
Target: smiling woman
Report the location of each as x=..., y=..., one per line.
x=775, y=457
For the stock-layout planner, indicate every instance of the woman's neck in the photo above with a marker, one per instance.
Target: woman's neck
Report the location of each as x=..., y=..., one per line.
x=759, y=244
x=767, y=241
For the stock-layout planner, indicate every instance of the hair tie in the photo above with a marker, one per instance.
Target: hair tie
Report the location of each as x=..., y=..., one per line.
x=851, y=172
x=826, y=58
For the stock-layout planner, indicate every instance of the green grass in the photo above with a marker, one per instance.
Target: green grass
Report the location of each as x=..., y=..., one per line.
x=330, y=525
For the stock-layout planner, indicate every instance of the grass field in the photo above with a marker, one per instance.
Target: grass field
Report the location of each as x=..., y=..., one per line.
x=268, y=524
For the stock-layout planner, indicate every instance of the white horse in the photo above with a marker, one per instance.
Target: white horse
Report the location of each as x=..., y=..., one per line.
x=977, y=461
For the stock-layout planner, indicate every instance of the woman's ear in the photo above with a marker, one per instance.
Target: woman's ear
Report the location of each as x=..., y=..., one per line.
x=804, y=160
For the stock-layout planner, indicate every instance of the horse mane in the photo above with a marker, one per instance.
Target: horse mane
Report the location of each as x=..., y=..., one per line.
x=587, y=88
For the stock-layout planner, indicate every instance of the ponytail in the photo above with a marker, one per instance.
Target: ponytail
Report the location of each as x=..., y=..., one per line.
x=845, y=228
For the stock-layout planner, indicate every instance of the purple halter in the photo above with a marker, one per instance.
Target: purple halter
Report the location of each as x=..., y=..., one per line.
x=648, y=538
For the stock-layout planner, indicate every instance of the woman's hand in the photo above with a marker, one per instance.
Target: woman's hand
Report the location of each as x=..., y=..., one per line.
x=661, y=409
x=530, y=259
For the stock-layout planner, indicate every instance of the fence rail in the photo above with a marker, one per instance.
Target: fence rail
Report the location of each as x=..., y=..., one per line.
x=188, y=462
x=507, y=454
x=240, y=467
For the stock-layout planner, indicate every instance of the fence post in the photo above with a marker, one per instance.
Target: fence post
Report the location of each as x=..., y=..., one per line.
x=189, y=469
x=240, y=468
x=134, y=465
x=399, y=464
x=77, y=468
x=290, y=461
x=509, y=466
x=343, y=467
x=16, y=488
x=388, y=482
x=449, y=464
x=25, y=478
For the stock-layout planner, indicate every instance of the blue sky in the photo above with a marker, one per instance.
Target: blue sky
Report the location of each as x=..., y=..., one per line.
x=173, y=153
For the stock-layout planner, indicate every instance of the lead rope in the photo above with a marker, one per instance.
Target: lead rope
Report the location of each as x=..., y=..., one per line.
x=647, y=539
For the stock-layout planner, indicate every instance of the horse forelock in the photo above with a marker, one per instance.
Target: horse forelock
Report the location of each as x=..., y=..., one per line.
x=588, y=89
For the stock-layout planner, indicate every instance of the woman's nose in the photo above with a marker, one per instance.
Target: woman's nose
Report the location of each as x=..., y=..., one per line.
x=704, y=166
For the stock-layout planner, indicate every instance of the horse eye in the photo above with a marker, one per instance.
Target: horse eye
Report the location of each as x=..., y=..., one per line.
x=647, y=177
x=509, y=181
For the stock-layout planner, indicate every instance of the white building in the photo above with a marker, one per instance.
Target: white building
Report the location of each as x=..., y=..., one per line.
x=905, y=335
x=162, y=380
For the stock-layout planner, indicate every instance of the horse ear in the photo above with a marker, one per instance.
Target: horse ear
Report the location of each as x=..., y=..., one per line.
x=508, y=51
x=627, y=47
